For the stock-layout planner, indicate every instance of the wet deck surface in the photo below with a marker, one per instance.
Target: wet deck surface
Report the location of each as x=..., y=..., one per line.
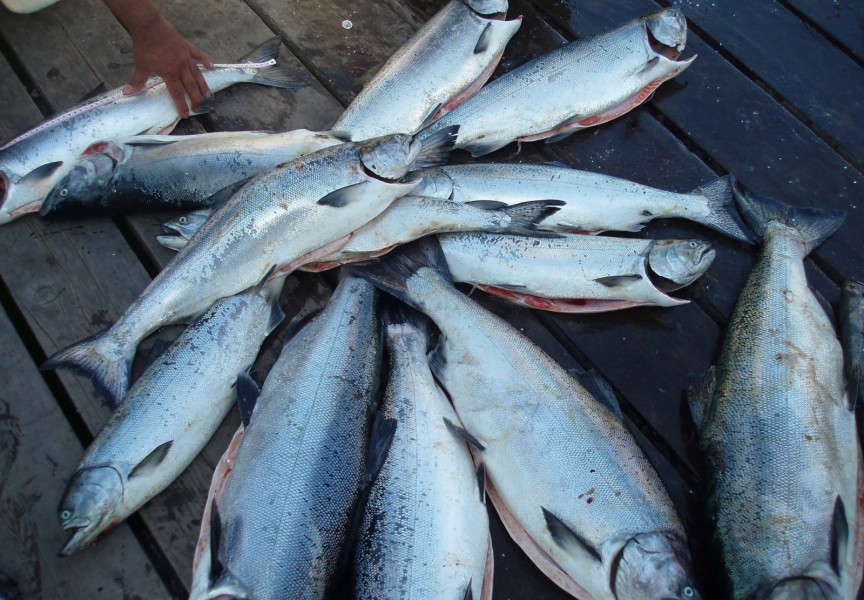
x=775, y=97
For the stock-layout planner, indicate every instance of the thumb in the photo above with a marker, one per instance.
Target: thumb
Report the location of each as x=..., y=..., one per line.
x=136, y=84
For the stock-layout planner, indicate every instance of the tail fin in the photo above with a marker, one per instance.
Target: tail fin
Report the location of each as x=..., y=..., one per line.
x=436, y=148
x=815, y=225
x=274, y=75
x=392, y=272
x=101, y=358
x=397, y=313
x=526, y=216
x=269, y=50
x=723, y=215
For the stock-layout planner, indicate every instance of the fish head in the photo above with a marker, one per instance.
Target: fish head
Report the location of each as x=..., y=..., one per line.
x=680, y=261
x=390, y=157
x=83, y=185
x=487, y=7
x=651, y=566
x=89, y=506
x=433, y=183
x=668, y=32
x=186, y=225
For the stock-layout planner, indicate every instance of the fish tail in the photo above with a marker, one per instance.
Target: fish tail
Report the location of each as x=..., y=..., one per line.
x=397, y=314
x=269, y=50
x=391, y=273
x=723, y=215
x=102, y=359
x=274, y=75
x=525, y=217
x=436, y=148
x=815, y=225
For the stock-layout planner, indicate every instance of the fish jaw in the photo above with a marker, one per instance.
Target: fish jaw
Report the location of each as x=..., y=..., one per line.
x=91, y=505
x=680, y=262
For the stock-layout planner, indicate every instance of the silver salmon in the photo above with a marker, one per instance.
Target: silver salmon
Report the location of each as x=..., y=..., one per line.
x=168, y=172
x=446, y=61
x=777, y=431
x=425, y=532
x=168, y=416
x=581, y=84
x=565, y=475
x=576, y=273
x=284, y=512
x=593, y=202
x=293, y=215
x=34, y=162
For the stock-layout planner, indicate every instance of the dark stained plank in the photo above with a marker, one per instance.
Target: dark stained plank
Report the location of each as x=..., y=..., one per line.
x=822, y=83
x=15, y=104
x=342, y=38
x=842, y=19
x=38, y=453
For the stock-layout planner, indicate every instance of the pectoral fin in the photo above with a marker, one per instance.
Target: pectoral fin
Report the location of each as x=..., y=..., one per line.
x=568, y=539
x=618, y=280
x=345, y=196
x=152, y=460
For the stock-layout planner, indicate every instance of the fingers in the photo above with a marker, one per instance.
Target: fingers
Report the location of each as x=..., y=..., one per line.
x=136, y=84
x=190, y=85
x=201, y=57
x=175, y=90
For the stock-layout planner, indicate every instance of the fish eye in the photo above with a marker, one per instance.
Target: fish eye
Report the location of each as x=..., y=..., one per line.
x=66, y=515
x=182, y=220
x=64, y=192
x=693, y=244
x=688, y=592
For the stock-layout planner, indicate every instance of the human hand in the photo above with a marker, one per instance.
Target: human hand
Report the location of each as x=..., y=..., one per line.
x=159, y=49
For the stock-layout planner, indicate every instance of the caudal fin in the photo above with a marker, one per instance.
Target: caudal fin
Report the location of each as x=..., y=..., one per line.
x=815, y=225
x=436, y=148
x=392, y=272
x=723, y=215
x=102, y=359
x=274, y=75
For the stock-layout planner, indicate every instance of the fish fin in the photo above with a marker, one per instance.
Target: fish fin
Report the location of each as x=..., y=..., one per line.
x=344, y=136
x=172, y=242
x=391, y=272
x=513, y=287
x=815, y=225
x=526, y=216
x=481, y=481
x=279, y=77
x=431, y=117
x=269, y=50
x=152, y=460
x=723, y=216
x=559, y=137
x=398, y=313
x=225, y=193
x=483, y=41
x=345, y=196
x=247, y=397
x=41, y=172
x=277, y=316
x=436, y=148
x=483, y=148
x=100, y=358
x=469, y=595
x=462, y=433
x=383, y=430
x=217, y=569
x=260, y=285
x=566, y=538
x=96, y=91
x=488, y=204
x=148, y=140
x=603, y=392
x=618, y=280
x=700, y=393
x=839, y=535
x=852, y=338
x=205, y=106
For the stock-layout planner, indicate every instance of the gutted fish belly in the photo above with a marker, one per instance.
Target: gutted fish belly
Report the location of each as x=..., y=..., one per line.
x=776, y=427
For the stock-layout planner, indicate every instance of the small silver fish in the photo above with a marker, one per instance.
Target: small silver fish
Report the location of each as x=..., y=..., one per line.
x=584, y=83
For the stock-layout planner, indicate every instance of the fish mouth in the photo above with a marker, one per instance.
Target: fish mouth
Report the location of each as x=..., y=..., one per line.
x=666, y=33
x=81, y=537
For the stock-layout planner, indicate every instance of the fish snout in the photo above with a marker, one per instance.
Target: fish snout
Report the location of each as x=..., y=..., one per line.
x=90, y=505
x=667, y=32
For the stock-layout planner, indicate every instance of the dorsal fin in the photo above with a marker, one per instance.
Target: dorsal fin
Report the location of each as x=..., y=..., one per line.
x=247, y=397
x=152, y=460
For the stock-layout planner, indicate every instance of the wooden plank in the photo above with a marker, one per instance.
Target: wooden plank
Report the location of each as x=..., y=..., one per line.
x=840, y=19
x=15, y=104
x=342, y=38
x=822, y=83
x=38, y=454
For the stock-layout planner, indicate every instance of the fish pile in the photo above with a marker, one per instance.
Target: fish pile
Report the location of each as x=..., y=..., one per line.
x=366, y=458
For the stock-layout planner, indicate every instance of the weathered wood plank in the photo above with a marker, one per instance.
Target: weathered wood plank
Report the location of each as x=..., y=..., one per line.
x=822, y=83
x=15, y=104
x=38, y=454
x=342, y=38
x=842, y=19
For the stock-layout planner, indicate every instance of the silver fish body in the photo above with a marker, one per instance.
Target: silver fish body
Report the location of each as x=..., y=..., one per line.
x=581, y=84
x=168, y=416
x=576, y=273
x=158, y=172
x=448, y=59
x=777, y=431
x=287, y=505
x=593, y=202
x=425, y=532
x=278, y=221
x=567, y=478
x=35, y=161
x=412, y=217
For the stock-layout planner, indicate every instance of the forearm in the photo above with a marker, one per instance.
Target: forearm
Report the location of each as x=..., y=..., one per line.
x=135, y=15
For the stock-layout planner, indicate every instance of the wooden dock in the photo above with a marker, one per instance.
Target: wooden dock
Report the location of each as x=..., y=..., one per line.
x=776, y=97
